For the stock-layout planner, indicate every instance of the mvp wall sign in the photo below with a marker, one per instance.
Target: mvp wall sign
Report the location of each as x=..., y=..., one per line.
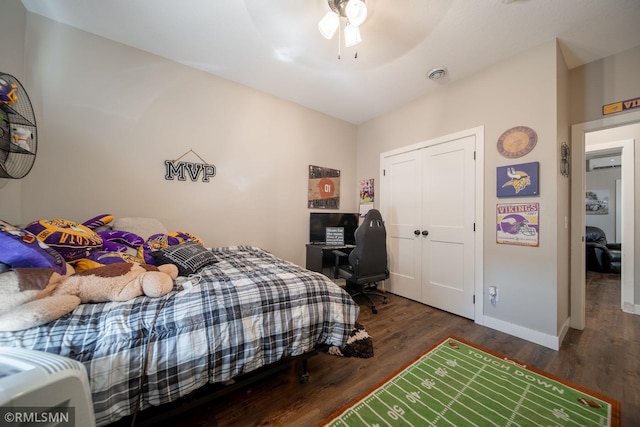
x=617, y=107
x=182, y=170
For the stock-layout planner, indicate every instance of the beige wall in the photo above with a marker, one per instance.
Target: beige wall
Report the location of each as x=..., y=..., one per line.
x=602, y=82
x=110, y=115
x=12, y=32
x=520, y=91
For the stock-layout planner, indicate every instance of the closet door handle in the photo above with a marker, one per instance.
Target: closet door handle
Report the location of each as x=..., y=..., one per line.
x=425, y=233
x=416, y=232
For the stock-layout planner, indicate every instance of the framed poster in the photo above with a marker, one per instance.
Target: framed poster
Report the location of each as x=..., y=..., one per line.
x=366, y=196
x=518, y=180
x=324, y=188
x=518, y=224
x=597, y=202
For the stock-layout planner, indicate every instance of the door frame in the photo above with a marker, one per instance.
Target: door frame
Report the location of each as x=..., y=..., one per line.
x=627, y=217
x=478, y=134
x=578, y=189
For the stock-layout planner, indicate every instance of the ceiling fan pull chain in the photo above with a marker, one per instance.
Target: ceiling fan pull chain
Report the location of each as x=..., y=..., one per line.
x=339, y=42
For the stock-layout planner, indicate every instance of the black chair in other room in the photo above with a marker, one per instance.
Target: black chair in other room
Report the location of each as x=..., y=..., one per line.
x=367, y=262
x=601, y=256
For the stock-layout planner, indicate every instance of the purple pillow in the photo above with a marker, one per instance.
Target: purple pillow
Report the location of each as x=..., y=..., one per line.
x=21, y=249
x=98, y=221
x=119, y=241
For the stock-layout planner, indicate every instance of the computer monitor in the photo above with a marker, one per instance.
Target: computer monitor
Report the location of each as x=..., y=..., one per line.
x=319, y=221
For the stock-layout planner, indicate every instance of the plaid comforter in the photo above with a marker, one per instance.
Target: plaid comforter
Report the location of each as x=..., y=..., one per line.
x=248, y=310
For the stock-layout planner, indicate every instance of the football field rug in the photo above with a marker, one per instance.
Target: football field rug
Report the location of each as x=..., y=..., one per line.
x=456, y=383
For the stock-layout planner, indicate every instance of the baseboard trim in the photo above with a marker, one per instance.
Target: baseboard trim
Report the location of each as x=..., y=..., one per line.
x=629, y=307
x=534, y=336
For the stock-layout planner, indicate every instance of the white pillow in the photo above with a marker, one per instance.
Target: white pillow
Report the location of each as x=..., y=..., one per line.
x=143, y=227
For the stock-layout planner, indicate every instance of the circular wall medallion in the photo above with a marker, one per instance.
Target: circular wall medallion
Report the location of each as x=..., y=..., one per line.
x=517, y=141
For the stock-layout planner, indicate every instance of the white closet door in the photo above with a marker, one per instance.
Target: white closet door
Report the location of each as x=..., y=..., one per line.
x=428, y=205
x=402, y=206
x=448, y=205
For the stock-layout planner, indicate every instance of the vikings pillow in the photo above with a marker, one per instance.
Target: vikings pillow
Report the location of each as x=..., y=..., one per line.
x=156, y=242
x=184, y=236
x=100, y=258
x=99, y=222
x=20, y=248
x=70, y=239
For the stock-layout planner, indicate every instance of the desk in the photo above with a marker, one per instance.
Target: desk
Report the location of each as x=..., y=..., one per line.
x=320, y=257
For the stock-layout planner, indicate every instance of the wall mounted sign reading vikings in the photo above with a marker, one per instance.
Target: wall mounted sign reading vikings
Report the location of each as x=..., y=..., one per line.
x=517, y=224
x=517, y=180
x=174, y=168
x=616, y=107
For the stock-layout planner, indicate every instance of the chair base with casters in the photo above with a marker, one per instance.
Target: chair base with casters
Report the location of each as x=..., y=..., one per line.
x=362, y=285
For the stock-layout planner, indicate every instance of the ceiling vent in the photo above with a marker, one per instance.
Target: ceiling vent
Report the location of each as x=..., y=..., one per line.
x=605, y=162
x=437, y=74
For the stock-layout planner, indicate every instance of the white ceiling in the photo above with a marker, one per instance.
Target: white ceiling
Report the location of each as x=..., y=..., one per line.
x=275, y=46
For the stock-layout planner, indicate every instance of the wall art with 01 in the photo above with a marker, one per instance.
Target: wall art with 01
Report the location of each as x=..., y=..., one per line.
x=324, y=188
x=518, y=180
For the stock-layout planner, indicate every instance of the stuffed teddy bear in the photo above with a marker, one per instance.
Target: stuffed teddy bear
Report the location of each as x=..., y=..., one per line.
x=30, y=297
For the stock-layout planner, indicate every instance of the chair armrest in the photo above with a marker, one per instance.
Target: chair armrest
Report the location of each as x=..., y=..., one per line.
x=596, y=245
x=605, y=250
x=614, y=246
x=339, y=254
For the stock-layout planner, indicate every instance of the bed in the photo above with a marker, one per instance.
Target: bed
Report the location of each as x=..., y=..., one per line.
x=248, y=310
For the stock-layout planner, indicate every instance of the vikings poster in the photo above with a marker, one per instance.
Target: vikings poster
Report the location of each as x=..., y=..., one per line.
x=517, y=180
x=517, y=224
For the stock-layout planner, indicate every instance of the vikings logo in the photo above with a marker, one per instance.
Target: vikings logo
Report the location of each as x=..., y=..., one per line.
x=519, y=180
x=516, y=224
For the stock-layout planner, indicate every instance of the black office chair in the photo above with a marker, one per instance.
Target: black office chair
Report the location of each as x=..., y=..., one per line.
x=367, y=261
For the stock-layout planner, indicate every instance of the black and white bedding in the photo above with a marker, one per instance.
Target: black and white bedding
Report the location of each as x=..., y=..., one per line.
x=246, y=311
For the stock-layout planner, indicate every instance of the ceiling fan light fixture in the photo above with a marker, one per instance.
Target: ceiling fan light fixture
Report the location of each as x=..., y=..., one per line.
x=356, y=12
x=352, y=35
x=329, y=24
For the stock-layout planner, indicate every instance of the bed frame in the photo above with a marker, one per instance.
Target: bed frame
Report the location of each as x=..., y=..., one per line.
x=159, y=415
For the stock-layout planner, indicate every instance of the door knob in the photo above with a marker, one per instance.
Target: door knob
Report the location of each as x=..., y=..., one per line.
x=425, y=233
x=416, y=232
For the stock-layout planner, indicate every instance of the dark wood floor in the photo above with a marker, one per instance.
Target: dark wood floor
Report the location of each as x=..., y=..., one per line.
x=604, y=357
